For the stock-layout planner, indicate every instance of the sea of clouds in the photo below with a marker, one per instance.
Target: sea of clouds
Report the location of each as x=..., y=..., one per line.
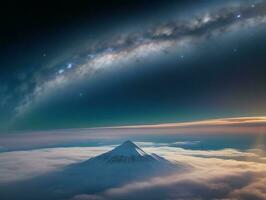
x=212, y=174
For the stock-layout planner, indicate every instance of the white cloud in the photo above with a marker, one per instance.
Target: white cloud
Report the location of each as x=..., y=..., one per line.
x=217, y=174
x=22, y=165
x=255, y=190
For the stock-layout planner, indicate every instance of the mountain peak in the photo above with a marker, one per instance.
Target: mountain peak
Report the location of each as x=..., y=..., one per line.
x=129, y=144
x=128, y=148
x=126, y=152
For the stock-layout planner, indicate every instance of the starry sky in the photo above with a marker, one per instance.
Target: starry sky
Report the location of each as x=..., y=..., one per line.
x=116, y=63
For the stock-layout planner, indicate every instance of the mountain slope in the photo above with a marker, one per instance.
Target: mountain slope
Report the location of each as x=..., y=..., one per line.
x=125, y=163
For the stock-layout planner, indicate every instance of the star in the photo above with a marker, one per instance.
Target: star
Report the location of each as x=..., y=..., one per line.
x=61, y=71
x=91, y=56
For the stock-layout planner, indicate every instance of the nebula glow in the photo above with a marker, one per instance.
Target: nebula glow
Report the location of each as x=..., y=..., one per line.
x=168, y=37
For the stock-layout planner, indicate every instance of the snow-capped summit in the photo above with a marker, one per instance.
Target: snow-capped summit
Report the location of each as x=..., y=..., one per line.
x=128, y=148
x=126, y=153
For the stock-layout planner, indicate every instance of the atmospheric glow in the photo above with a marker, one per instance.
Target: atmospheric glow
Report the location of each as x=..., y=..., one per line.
x=249, y=121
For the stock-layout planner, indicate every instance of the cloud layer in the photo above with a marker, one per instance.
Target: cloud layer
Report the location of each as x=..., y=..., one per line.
x=217, y=174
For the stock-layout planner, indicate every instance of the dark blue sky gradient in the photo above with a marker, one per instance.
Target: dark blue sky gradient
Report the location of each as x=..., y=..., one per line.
x=221, y=77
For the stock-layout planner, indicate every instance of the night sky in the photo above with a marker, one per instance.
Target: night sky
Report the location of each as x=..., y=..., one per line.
x=113, y=63
x=183, y=82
